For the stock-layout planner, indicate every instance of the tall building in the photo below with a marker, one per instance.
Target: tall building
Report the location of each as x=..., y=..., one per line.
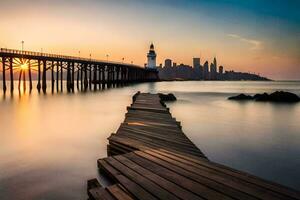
x=174, y=64
x=205, y=71
x=221, y=70
x=215, y=63
x=213, y=71
x=196, y=62
x=168, y=63
x=151, y=57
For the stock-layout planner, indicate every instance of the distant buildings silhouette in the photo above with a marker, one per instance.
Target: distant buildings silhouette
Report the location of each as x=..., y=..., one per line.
x=202, y=72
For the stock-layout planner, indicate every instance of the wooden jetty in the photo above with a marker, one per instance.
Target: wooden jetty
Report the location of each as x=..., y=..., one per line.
x=151, y=158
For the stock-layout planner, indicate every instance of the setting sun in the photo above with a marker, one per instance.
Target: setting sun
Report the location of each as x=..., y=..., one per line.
x=24, y=66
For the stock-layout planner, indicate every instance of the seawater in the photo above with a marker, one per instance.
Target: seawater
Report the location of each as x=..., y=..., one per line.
x=49, y=144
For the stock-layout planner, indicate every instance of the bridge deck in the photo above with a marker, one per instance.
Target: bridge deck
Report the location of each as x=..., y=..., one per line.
x=151, y=158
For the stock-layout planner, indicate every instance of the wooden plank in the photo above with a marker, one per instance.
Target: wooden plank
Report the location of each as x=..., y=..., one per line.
x=169, y=186
x=100, y=194
x=236, y=174
x=199, y=189
x=118, y=192
x=133, y=188
x=148, y=185
x=218, y=182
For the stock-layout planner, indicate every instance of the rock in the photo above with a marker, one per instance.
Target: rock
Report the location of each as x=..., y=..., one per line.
x=167, y=97
x=241, y=97
x=281, y=96
x=278, y=96
x=261, y=97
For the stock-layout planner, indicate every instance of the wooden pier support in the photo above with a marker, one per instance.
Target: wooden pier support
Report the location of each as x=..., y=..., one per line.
x=57, y=76
x=11, y=72
x=29, y=75
x=44, y=78
x=39, y=76
x=52, y=77
x=3, y=74
x=68, y=77
x=61, y=76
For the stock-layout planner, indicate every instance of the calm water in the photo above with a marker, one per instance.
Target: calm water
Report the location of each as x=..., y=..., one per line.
x=50, y=143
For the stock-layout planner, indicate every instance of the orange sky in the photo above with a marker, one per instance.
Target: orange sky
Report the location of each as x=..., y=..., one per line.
x=126, y=30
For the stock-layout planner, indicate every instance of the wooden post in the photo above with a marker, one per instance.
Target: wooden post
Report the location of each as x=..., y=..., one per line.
x=57, y=76
x=68, y=77
x=99, y=76
x=95, y=77
x=108, y=77
x=61, y=76
x=81, y=77
x=24, y=81
x=3, y=74
x=72, y=76
x=103, y=77
x=85, y=78
x=29, y=74
x=78, y=76
x=52, y=76
x=44, y=83
x=20, y=76
x=39, y=76
x=11, y=74
x=90, y=78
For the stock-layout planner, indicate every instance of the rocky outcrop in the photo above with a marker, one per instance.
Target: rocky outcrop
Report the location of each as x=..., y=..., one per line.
x=167, y=97
x=278, y=96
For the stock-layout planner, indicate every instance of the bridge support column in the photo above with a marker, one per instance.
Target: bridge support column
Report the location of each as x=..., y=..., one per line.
x=52, y=77
x=57, y=76
x=29, y=75
x=68, y=77
x=90, y=76
x=12, y=73
x=85, y=78
x=72, y=76
x=81, y=76
x=103, y=77
x=95, y=81
x=39, y=76
x=44, y=83
x=3, y=74
x=61, y=76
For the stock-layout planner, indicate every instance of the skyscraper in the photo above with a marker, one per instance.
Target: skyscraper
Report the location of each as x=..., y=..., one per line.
x=168, y=63
x=215, y=63
x=213, y=71
x=205, y=71
x=196, y=62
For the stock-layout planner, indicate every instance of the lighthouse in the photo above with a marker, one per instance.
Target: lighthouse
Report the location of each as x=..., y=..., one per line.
x=151, y=57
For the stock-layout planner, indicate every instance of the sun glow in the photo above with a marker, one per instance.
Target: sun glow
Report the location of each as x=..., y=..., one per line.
x=24, y=66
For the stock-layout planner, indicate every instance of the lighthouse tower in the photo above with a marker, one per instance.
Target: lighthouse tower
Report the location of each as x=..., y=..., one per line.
x=151, y=57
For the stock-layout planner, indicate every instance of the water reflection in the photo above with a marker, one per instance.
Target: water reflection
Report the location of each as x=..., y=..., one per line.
x=50, y=143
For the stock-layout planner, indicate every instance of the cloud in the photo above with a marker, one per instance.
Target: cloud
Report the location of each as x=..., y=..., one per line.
x=255, y=44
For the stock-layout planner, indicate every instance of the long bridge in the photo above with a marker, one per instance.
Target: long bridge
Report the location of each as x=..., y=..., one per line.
x=90, y=74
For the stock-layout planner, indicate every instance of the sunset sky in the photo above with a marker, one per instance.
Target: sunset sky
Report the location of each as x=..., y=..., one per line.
x=261, y=36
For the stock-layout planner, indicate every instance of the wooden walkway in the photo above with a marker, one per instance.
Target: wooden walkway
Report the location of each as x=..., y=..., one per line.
x=151, y=158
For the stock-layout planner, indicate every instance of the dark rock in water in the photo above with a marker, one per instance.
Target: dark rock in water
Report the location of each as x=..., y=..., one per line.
x=283, y=97
x=278, y=96
x=167, y=97
x=241, y=97
x=261, y=97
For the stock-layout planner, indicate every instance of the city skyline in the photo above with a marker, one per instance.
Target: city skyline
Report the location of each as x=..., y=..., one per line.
x=257, y=36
